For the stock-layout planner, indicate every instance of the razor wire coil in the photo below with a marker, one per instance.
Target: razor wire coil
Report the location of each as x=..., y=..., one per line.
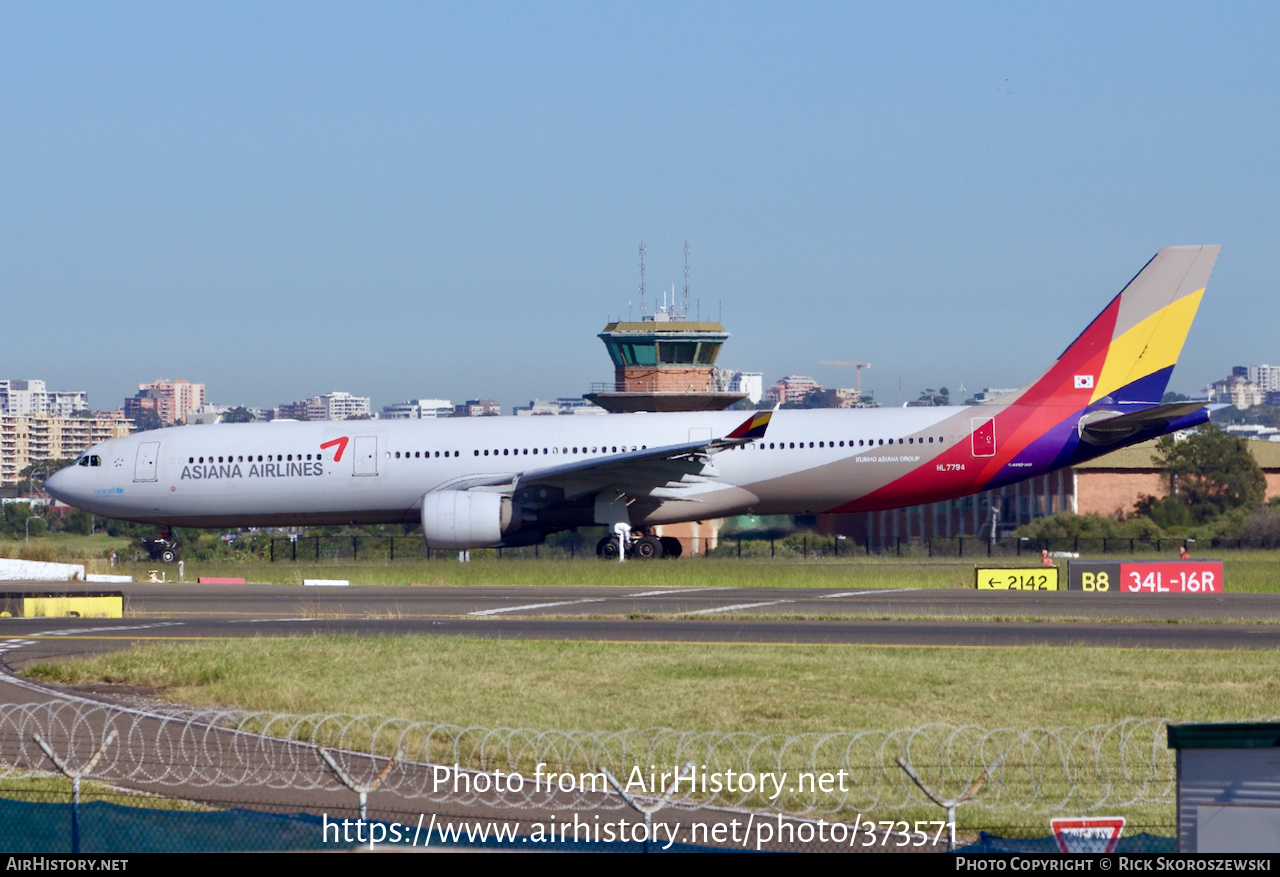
x=1042, y=770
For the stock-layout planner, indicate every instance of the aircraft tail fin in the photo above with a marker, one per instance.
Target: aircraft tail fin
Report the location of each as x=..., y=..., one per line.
x=1128, y=352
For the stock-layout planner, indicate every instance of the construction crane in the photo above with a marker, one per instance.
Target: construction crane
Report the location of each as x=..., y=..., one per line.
x=859, y=366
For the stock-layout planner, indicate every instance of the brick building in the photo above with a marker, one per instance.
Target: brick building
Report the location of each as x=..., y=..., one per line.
x=170, y=400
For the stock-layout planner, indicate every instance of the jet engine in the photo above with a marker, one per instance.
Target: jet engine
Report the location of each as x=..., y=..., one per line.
x=466, y=518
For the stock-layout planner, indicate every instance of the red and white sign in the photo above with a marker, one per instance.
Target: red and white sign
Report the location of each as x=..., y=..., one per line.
x=1171, y=577
x=1088, y=834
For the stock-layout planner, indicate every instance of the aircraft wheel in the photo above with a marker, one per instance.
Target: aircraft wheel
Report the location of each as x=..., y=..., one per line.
x=671, y=546
x=169, y=555
x=647, y=548
x=607, y=548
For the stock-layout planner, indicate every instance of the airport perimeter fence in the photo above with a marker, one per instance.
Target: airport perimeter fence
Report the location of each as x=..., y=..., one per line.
x=206, y=780
x=302, y=548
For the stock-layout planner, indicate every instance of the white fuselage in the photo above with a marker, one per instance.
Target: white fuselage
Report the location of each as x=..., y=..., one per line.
x=338, y=472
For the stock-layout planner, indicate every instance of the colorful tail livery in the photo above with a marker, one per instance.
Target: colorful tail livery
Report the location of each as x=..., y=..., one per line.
x=1103, y=392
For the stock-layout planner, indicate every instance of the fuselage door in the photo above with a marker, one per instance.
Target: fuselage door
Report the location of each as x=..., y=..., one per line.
x=366, y=456
x=984, y=436
x=144, y=468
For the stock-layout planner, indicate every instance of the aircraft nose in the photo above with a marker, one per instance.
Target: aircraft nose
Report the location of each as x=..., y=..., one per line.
x=58, y=485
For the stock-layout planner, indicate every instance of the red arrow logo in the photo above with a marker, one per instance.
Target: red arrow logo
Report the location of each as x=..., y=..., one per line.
x=342, y=446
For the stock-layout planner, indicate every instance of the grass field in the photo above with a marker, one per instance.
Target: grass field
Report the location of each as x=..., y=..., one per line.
x=757, y=689
x=763, y=689
x=1253, y=572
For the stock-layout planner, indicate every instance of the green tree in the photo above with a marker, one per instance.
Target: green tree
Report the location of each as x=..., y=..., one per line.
x=816, y=399
x=1210, y=473
x=238, y=415
x=148, y=419
x=78, y=521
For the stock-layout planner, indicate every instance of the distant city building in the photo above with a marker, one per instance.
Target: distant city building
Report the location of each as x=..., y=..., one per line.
x=477, y=408
x=331, y=406
x=563, y=405
x=418, y=409
x=207, y=414
x=170, y=400
x=1253, y=431
x=291, y=411
x=1267, y=377
x=40, y=438
x=31, y=397
x=1238, y=389
x=218, y=414
x=725, y=380
x=849, y=397
x=343, y=406
x=989, y=395
x=792, y=388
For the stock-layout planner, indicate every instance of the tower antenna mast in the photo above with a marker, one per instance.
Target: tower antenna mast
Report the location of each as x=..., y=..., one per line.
x=684, y=305
x=642, y=280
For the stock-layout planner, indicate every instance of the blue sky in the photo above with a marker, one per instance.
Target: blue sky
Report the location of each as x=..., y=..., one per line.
x=405, y=200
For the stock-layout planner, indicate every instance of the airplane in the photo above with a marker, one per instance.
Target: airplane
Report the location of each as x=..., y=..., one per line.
x=489, y=482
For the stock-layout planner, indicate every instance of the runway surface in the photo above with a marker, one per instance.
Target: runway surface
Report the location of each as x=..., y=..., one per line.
x=883, y=618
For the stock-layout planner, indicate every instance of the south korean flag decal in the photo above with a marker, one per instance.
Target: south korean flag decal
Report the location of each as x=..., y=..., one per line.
x=1084, y=382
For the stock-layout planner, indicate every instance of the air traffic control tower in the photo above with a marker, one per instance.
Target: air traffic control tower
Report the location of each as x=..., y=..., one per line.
x=663, y=362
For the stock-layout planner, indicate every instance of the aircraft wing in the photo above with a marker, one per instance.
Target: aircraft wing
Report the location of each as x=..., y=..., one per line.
x=1110, y=430
x=666, y=472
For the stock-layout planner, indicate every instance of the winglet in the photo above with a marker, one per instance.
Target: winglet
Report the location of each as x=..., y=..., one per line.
x=753, y=427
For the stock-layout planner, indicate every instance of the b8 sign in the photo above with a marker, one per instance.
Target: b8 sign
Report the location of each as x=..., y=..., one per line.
x=1146, y=577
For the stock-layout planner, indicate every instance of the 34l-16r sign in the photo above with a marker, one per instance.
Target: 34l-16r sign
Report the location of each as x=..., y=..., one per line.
x=1146, y=577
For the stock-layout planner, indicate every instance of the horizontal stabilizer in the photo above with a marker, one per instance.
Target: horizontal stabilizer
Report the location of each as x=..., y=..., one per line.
x=1104, y=428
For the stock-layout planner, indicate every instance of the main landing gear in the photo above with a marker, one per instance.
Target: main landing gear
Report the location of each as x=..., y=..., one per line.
x=164, y=547
x=639, y=544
